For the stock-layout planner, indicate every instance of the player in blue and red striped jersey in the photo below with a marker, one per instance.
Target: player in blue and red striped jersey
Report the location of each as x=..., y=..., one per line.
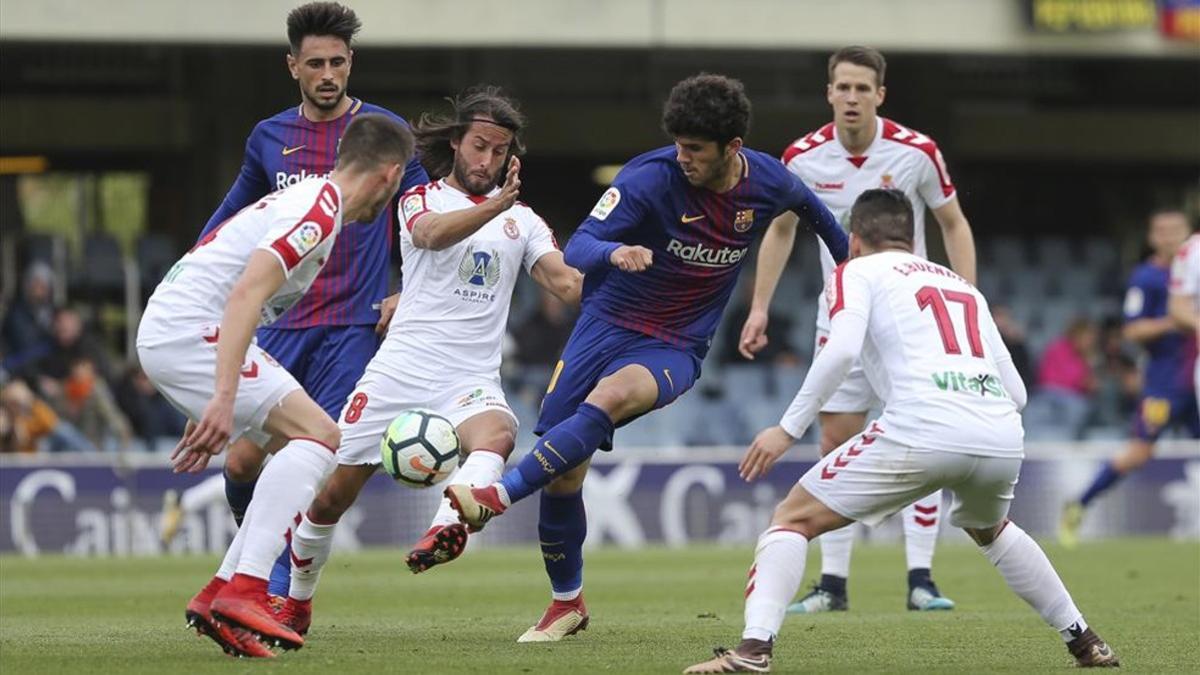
x=328, y=337
x=660, y=252
x=1168, y=394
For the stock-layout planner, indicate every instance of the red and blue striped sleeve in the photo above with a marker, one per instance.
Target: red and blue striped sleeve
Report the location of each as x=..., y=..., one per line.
x=251, y=184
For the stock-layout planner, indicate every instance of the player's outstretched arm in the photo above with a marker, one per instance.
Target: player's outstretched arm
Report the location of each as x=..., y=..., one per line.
x=438, y=231
x=262, y=277
x=563, y=281
x=847, y=332
x=1010, y=379
x=956, y=234
x=772, y=258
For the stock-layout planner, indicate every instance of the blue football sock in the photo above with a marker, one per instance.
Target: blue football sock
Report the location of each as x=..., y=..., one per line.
x=565, y=446
x=239, y=494
x=1103, y=480
x=562, y=527
x=281, y=573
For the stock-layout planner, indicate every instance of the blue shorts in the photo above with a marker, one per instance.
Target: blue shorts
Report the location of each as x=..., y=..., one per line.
x=1157, y=414
x=598, y=349
x=326, y=360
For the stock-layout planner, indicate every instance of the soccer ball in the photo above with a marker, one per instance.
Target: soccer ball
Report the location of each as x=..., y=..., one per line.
x=419, y=448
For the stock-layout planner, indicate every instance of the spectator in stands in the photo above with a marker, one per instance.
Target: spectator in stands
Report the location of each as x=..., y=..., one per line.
x=84, y=399
x=27, y=424
x=1013, y=336
x=150, y=414
x=715, y=419
x=28, y=323
x=69, y=344
x=1066, y=381
x=537, y=343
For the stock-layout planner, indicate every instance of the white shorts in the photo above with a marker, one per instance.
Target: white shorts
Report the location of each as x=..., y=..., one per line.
x=854, y=394
x=871, y=477
x=184, y=369
x=380, y=397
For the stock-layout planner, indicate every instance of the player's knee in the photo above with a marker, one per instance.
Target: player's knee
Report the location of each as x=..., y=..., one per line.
x=242, y=465
x=568, y=483
x=611, y=398
x=985, y=535
x=500, y=442
x=830, y=439
x=329, y=505
x=326, y=432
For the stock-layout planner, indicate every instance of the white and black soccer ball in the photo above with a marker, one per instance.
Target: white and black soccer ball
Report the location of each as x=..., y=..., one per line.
x=420, y=448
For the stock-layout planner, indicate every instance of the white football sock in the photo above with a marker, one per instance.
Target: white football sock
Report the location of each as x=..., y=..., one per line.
x=774, y=579
x=1030, y=575
x=232, y=555
x=200, y=495
x=836, y=546
x=922, y=521
x=285, y=489
x=481, y=467
x=311, y=545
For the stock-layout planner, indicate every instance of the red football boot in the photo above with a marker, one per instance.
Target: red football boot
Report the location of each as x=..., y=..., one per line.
x=233, y=641
x=296, y=614
x=441, y=544
x=475, y=506
x=562, y=618
x=243, y=603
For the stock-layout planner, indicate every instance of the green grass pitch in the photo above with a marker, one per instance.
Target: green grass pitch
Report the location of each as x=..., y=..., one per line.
x=657, y=610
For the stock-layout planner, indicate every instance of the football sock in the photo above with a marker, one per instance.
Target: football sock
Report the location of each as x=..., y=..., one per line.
x=1030, y=575
x=562, y=527
x=1105, y=478
x=232, y=554
x=481, y=467
x=239, y=495
x=920, y=577
x=921, y=525
x=833, y=584
x=774, y=579
x=836, y=546
x=565, y=446
x=311, y=545
x=281, y=574
x=285, y=488
x=206, y=492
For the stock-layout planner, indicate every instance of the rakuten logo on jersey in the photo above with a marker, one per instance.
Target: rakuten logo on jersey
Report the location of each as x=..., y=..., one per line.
x=283, y=180
x=699, y=254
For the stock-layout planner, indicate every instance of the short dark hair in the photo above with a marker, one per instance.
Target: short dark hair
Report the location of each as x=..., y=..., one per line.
x=434, y=132
x=708, y=106
x=372, y=139
x=883, y=218
x=321, y=18
x=860, y=56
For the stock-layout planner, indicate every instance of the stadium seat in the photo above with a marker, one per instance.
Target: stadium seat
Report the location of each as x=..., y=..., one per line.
x=101, y=274
x=155, y=255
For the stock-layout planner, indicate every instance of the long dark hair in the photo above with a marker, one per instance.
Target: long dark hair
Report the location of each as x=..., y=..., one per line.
x=435, y=131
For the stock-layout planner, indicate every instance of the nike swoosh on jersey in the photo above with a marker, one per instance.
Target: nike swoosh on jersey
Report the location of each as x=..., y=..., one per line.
x=691, y=219
x=287, y=151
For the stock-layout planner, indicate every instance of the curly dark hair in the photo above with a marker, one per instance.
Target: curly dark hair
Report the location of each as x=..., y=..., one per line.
x=321, y=18
x=883, y=218
x=708, y=106
x=434, y=132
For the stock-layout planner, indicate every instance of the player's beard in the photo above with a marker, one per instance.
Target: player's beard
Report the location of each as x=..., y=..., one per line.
x=320, y=104
x=472, y=182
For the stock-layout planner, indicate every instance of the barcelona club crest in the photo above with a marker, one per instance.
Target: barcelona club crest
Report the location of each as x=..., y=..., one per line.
x=743, y=220
x=479, y=268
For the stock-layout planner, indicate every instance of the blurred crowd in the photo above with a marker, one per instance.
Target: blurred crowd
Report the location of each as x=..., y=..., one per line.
x=61, y=388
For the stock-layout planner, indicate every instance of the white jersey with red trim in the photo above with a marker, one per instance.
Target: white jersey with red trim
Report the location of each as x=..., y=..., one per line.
x=931, y=353
x=454, y=303
x=1185, y=271
x=898, y=158
x=297, y=225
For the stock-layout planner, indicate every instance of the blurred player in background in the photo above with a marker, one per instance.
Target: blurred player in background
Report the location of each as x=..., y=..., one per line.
x=327, y=339
x=858, y=151
x=464, y=240
x=951, y=419
x=661, y=252
x=196, y=344
x=1184, y=301
x=1168, y=393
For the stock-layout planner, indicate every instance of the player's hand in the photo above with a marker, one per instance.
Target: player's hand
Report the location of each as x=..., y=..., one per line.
x=632, y=258
x=206, y=438
x=768, y=446
x=387, y=308
x=511, y=187
x=754, y=334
